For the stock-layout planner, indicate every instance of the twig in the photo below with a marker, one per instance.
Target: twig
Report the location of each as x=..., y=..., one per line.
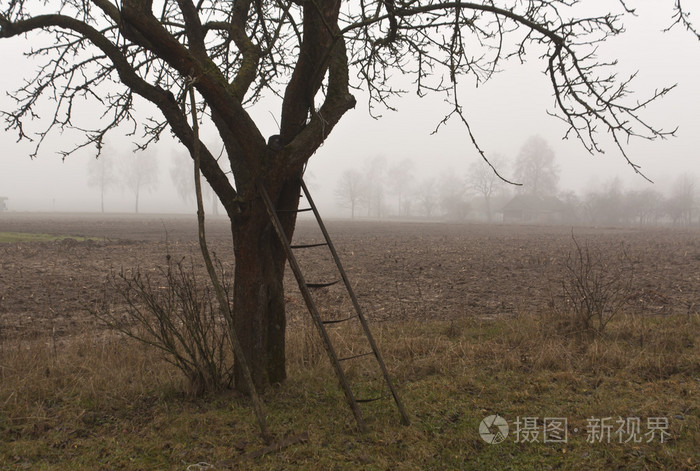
x=273, y=448
x=218, y=289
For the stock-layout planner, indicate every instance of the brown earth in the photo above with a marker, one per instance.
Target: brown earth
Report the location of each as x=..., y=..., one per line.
x=400, y=269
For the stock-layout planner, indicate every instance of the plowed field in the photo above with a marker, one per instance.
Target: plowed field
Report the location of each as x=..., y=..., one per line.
x=400, y=269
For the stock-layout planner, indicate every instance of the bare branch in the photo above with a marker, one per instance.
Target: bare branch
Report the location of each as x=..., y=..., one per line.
x=311, y=54
x=682, y=18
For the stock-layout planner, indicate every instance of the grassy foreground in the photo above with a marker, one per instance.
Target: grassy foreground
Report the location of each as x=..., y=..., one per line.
x=103, y=402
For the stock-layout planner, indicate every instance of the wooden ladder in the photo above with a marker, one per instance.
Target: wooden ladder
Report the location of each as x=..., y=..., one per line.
x=320, y=323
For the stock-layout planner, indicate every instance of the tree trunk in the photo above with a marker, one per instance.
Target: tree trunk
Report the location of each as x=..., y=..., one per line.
x=258, y=294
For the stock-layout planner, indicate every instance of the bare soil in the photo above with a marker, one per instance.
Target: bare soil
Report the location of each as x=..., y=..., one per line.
x=401, y=270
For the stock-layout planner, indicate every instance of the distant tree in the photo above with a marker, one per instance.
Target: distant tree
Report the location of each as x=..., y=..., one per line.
x=536, y=168
x=452, y=196
x=101, y=174
x=681, y=202
x=607, y=205
x=483, y=181
x=120, y=54
x=572, y=206
x=644, y=206
x=375, y=175
x=139, y=173
x=400, y=180
x=350, y=190
x=427, y=196
x=408, y=204
x=181, y=176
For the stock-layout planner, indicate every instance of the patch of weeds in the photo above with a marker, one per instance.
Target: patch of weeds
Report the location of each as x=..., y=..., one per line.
x=595, y=289
x=172, y=311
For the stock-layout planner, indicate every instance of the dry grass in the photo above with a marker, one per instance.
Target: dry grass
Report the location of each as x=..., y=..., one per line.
x=654, y=348
x=99, y=401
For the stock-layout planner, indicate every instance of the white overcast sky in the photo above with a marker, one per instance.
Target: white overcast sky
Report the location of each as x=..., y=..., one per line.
x=503, y=113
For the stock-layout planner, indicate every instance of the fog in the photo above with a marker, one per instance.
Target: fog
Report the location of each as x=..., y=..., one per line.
x=503, y=114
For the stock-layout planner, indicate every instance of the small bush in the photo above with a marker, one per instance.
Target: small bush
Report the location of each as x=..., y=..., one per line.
x=171, y=311
x=595, y=289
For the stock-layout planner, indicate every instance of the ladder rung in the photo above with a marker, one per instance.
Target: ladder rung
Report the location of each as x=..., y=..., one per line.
x=321, y=285
x=335, y=321
x=308, y=298
x=302, y=210
x=308, y=246
x=371, y=399
x=356, y=356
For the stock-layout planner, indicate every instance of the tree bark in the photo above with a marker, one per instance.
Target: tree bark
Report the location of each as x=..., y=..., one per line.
x=258, y=292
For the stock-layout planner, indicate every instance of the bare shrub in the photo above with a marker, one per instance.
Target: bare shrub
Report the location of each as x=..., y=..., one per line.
x=595, y=288
x=171, y=311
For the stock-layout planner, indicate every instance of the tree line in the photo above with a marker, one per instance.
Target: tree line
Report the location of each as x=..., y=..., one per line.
x=380, y=188
x=137, y=173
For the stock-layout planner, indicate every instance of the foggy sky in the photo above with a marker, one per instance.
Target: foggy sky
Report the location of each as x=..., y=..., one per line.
x=503, y=113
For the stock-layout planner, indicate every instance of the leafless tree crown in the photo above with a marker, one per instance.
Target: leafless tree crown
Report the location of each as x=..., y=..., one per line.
x=310, y=54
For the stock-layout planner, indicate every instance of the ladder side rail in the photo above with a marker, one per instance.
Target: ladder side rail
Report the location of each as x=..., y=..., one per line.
x=365, y=326
x=306, y=294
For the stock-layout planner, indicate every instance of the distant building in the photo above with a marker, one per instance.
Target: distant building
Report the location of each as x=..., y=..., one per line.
x=534, y=209
x=3, y=204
